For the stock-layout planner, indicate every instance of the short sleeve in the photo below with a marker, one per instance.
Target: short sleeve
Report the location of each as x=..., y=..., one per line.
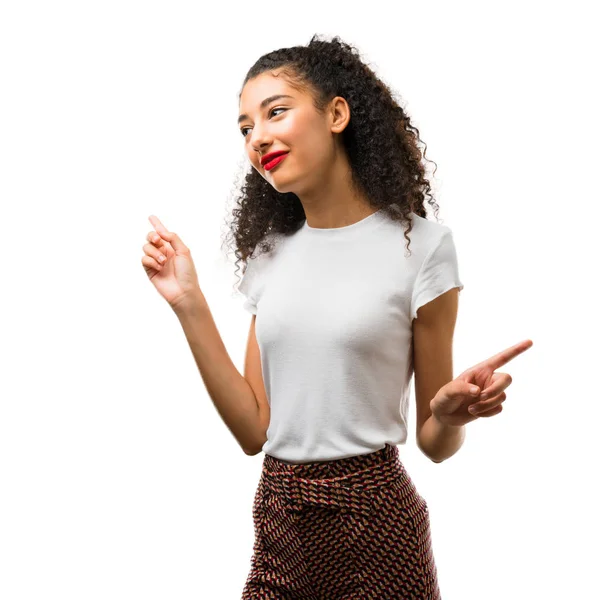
x=248, y=287
x=437, y=275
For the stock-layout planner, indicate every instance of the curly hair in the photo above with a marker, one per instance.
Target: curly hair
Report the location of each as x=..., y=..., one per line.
x=381, y=143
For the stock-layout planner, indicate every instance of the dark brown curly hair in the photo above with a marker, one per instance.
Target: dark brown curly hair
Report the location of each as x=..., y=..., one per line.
x=387, y=164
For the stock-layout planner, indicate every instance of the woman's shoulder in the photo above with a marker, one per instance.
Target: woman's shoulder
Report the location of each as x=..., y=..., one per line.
x=427, y=227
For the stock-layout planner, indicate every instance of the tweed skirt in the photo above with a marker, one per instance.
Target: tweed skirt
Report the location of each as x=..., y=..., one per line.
x=341, y=530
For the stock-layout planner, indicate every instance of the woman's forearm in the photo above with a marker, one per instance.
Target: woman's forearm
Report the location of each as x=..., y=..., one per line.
x=228, y=389
x=438, y=441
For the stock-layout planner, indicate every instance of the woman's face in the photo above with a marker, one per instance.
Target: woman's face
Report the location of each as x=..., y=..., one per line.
x=291, y=124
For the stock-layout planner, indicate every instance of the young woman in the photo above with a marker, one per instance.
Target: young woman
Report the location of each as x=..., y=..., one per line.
x=342, y=317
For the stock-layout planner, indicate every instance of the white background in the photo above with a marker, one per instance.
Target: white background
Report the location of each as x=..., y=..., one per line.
x=118, y=478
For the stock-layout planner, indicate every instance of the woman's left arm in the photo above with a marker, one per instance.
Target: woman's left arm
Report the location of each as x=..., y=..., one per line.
x=445, y=405
x=433, y=333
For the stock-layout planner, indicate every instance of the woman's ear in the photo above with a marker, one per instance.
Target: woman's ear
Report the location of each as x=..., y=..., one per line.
x=340, y=114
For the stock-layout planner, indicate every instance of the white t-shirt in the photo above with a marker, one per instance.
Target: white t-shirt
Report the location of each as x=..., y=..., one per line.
x=334, y=309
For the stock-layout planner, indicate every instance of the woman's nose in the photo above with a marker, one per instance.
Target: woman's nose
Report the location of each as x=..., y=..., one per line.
x=260, y=138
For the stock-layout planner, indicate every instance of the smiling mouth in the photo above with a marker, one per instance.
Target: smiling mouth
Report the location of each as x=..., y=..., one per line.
x=273, y=163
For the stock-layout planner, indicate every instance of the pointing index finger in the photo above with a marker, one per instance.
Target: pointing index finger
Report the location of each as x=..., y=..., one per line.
x=156, y=223
x=500, y=359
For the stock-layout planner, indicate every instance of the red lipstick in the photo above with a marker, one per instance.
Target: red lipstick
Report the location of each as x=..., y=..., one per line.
x=273, y=158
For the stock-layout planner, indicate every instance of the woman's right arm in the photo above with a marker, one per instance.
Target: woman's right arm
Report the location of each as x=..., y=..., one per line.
x=230, y=392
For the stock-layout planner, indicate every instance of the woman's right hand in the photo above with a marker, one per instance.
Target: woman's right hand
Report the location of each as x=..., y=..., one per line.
x=175, y=277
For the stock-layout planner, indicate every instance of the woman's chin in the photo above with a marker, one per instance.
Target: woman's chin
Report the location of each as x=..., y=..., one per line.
x=283, y=186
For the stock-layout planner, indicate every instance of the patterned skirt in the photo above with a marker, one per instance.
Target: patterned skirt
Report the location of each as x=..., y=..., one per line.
x=341, y=530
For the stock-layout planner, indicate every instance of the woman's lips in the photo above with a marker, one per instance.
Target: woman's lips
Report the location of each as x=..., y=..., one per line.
x=275, y=162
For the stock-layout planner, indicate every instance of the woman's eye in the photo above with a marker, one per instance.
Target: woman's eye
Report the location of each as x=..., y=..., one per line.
x=243, y=129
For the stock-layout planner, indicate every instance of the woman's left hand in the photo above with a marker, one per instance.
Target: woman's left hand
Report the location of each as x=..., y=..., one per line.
x=454, y=403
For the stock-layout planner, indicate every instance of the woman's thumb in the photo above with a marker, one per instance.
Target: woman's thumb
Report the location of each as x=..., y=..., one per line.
x=174, y=240
x=459, y=388
x=169, y=236
x=472, y=389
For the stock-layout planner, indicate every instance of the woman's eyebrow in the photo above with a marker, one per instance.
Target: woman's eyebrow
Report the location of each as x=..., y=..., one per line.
x=264, y=103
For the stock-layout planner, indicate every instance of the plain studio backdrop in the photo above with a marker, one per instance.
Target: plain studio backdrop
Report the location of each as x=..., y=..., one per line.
x=118, y=478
